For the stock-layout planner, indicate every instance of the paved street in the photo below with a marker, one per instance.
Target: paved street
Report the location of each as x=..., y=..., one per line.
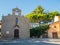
x=31, y=42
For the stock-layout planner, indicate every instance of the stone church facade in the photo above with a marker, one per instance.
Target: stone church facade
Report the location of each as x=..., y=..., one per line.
x=15, y=26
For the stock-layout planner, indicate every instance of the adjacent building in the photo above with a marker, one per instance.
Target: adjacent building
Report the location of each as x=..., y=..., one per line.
x=54, y=30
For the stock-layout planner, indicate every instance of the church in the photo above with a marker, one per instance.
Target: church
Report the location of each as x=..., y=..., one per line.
x=15, y=26
x=54, y=30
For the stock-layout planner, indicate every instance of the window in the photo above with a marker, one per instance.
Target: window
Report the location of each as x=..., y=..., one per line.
x=16, y=13
x=16, y=20
x=54, y=26
x=7, y=32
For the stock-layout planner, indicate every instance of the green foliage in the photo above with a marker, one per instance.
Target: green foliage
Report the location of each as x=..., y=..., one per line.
x=29, y=17
x=52, y=14
x=38, y=10
x=38, y=31
x=39, y=15
x=36, y=15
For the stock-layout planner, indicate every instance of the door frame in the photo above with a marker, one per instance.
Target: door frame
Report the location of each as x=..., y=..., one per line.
x=54, y=35
x=16, y=33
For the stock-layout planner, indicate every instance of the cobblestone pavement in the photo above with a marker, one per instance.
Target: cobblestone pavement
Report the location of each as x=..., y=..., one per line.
x=31, y=42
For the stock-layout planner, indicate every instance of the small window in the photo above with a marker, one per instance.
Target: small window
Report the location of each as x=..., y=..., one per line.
x=54, y=26
x=16, y=20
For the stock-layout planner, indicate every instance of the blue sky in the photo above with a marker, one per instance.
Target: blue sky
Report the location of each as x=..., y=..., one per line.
x=28, y=5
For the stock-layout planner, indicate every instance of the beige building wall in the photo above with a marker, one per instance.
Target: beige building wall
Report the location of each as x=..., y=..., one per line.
x=54, y=28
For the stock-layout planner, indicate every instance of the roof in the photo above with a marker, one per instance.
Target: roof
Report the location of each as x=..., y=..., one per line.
x=55, y=23
x=16, y=9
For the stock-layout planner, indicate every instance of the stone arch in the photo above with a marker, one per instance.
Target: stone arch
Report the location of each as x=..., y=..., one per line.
x=16, y=11
x=16, y=31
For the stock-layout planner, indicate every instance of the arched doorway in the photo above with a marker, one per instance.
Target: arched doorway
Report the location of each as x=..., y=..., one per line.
x=55, y=35
x=16, y=33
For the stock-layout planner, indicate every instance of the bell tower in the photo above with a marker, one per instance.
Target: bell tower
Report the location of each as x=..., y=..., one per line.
x=16, y=11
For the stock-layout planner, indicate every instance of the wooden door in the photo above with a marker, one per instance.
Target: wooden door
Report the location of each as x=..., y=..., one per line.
x=54, y=34
x=16, y=33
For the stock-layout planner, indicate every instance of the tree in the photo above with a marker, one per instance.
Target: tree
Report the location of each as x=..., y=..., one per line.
x=38, y=31
x=35, y=18
x=38, y=15
x=38, y=10
x=52, y=14
x=29, y=17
